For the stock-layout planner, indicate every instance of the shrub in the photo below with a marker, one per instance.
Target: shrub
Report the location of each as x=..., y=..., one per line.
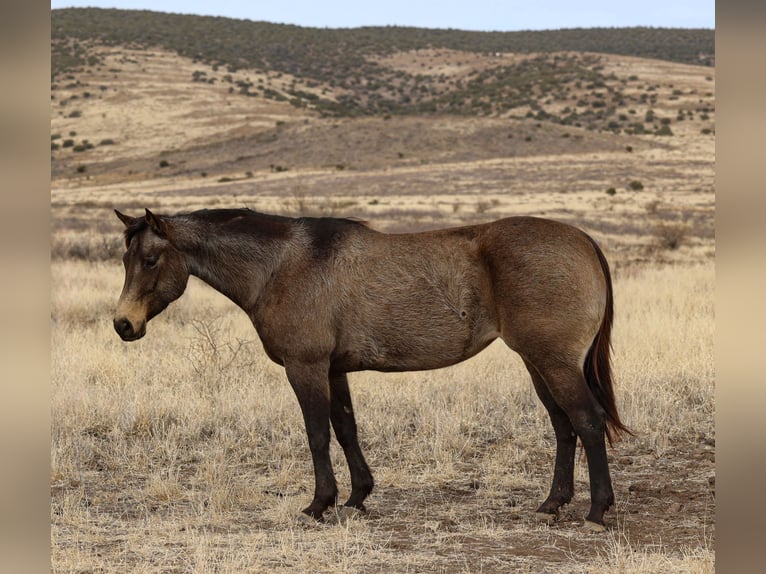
x=636, y=185
x=664, y=131
x=611, y=191
x=164, y=163
x=671, y=235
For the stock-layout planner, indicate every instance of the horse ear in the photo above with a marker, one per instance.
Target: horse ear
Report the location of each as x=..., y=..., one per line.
x=157, y=224
x=126, y=219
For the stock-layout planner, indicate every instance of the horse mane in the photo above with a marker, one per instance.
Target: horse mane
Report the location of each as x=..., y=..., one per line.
x=242, y=219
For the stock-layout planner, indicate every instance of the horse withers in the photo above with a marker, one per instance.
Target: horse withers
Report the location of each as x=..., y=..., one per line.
x=331, y=296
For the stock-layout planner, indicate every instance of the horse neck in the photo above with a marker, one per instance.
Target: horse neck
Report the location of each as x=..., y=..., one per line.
x=236, y=264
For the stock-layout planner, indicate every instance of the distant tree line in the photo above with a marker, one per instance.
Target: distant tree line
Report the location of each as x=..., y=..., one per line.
x=320, y=53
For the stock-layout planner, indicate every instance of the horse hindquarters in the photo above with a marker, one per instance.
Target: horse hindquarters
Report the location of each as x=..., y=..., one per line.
x=553, y=294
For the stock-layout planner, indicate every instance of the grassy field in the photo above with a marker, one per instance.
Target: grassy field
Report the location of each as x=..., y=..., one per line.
x=185, y=451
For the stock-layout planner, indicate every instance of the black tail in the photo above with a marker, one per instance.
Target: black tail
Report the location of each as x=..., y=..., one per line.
x=598, y=367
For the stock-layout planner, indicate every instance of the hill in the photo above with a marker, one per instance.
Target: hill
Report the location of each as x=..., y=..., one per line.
x=428, y=133
x=355, y=63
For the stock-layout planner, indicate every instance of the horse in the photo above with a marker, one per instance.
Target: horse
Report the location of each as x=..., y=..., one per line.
x=330, y=296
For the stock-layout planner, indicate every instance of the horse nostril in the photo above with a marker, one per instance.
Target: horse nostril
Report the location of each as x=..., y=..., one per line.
x=123, y=327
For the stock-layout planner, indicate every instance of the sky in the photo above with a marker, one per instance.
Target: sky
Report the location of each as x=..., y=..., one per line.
x=495, y=15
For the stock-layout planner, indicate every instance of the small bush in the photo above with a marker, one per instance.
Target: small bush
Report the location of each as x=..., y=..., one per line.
x=611, y=191
x=164, y=163
x=671, y=235
x=664, y=131
x=636, y=185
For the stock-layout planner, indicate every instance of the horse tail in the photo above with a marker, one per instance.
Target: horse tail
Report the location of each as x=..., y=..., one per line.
x=597, y=367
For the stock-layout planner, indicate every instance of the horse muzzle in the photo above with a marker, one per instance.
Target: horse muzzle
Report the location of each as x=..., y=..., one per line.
x=127, y=331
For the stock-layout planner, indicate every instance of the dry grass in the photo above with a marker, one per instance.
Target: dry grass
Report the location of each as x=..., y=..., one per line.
x=186, y=452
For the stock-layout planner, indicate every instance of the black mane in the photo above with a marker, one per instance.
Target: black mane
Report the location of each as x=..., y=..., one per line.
x=249, y=222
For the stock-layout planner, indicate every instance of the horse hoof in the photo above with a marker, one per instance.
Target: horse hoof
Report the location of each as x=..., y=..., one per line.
x=546, y=517
x=593, y=526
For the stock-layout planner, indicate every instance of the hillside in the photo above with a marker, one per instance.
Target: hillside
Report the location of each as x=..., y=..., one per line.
x=121, y=75
x=353, y=63
x=456, y=135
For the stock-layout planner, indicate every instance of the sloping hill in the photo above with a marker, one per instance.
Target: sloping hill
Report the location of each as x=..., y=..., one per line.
x=153, y=113
x=353, y=63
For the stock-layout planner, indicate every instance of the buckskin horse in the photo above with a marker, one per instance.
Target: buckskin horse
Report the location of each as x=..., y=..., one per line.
x=331, y=296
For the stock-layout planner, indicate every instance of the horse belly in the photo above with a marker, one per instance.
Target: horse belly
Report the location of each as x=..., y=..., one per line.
x=414, y=345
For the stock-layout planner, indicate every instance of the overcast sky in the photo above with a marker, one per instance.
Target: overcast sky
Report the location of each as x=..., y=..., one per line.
x=501, y=15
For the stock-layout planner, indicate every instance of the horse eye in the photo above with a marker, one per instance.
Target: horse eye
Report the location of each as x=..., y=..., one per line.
x=150, y=261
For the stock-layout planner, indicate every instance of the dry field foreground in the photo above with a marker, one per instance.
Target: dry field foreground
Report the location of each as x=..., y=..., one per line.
x=185, y=451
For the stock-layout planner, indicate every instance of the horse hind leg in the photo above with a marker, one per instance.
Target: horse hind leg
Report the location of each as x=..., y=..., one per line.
x=562, y=485
x=567, y=386
x=344, y=425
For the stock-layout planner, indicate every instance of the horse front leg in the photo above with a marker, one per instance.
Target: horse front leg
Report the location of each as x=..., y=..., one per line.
x=344, y=425
x=312, y=388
